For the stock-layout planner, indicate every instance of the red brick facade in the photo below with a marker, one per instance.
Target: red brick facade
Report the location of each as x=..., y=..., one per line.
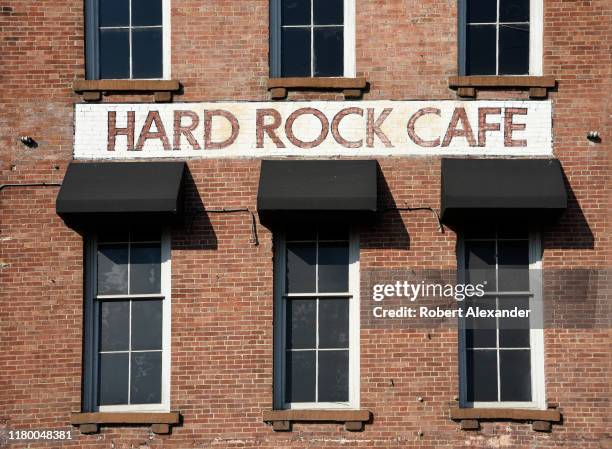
x=222, y=284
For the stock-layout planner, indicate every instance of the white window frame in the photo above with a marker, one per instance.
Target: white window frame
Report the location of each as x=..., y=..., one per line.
x=536, y=334
x=280, y=265
x=348, y=39
x=165, y=295
x=93, y=29
x=536, y=37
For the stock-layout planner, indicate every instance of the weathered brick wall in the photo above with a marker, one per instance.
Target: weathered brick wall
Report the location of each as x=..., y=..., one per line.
x=222, y=284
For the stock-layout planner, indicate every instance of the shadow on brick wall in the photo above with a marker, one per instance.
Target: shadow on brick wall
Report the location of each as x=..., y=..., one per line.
x=571, y=230
x=388, y=229
x=195, y=231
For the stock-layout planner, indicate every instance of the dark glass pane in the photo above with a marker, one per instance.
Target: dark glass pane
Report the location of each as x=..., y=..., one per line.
x=295, y=57
x=480, y=50
x=328, y=12
x=301, y=324
x=113, y=379
x=480, y=332
x=480, y=230
x=333, y=323
x=480, y=263
x=333, y=376
x=113, y=237
x=514, y=332
x=145, y=268
x=145, y=386
x=300, y=376
x=301, y=267
x=481, y=11
x=510, y=230
x=514, y=10
x=515, y=367
x=481, y=375
x=114, y=13
x=114, y=54
x=331, y=232
x=146, y=12
x=146, y=235
x=295, y=12
x=333, y=267
x=513, y=260
x=514, y=49
x=329, y=51
x=112, y=269
x=114, y=326
x=147, y=53
x=147, y=321
x=301, y=230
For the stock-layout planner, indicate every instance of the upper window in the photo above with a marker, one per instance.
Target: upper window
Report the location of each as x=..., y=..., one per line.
x=502, y=357
x=312, y=38
x=318, y=331
x=501, y=37
x=127, y=39
x=128, y=316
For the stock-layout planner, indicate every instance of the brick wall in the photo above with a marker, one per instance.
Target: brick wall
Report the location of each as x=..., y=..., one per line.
x=222, y=284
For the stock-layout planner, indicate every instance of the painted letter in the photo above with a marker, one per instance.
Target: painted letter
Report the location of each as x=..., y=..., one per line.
x=269, y=129
x=374, y=128
x=336, y=124
x=113, y=131
x=459, y=115
x=303, y=111
x=483, y=126
x=180, y=130
x=509, y=127
x=146, y=133
x=208, y=115
x=412, y=133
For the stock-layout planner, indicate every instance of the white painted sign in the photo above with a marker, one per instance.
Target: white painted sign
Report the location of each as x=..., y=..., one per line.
x=313, y=129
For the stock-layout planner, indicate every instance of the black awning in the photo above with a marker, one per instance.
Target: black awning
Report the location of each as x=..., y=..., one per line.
x=92, y=190
x=527, y=188
x=347, y=186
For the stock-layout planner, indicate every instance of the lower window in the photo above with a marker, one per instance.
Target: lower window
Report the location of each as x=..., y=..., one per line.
x=127, y=322
x=502, y=360
x=317, y=310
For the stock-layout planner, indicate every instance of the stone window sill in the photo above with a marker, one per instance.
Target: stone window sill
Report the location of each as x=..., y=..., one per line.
x=160, y=422
x=467, y=86
x=92, y=89
x=351, y=87
x=541, y=420
x=281, y=420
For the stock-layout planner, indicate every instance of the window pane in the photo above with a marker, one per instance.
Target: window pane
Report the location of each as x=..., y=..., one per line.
x=113, y=379
x=145, y=268
x=112, y=269
x=510, y=230
x=301, y=267
x=114, y=325
x=295, y=12
x=329, y=51
x=480, y=50
x=113, y=237
x=295, y=57
x=145, y=385
x=330, y=232
x=333, y=376
x=146, y=12
x=515, y=367
x=300, y=376
x=481, y=230
x=480, y=263
x=114, y=54
x=147, y=53
x=147, y=321
x=514, y=49
x=513, y=260
x=514, y=10
x=333, y=323
x=301, y=324
x=480, y=11
x=333, y=267
x=146, y=235
x=114, y=13
x=514, y=332
x=328, y=12
x=481, y=375
x=481, y=332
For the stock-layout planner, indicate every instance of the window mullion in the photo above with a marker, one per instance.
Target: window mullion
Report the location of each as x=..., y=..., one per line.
x=497, y=51
x=130, y=35
x=312, y=55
